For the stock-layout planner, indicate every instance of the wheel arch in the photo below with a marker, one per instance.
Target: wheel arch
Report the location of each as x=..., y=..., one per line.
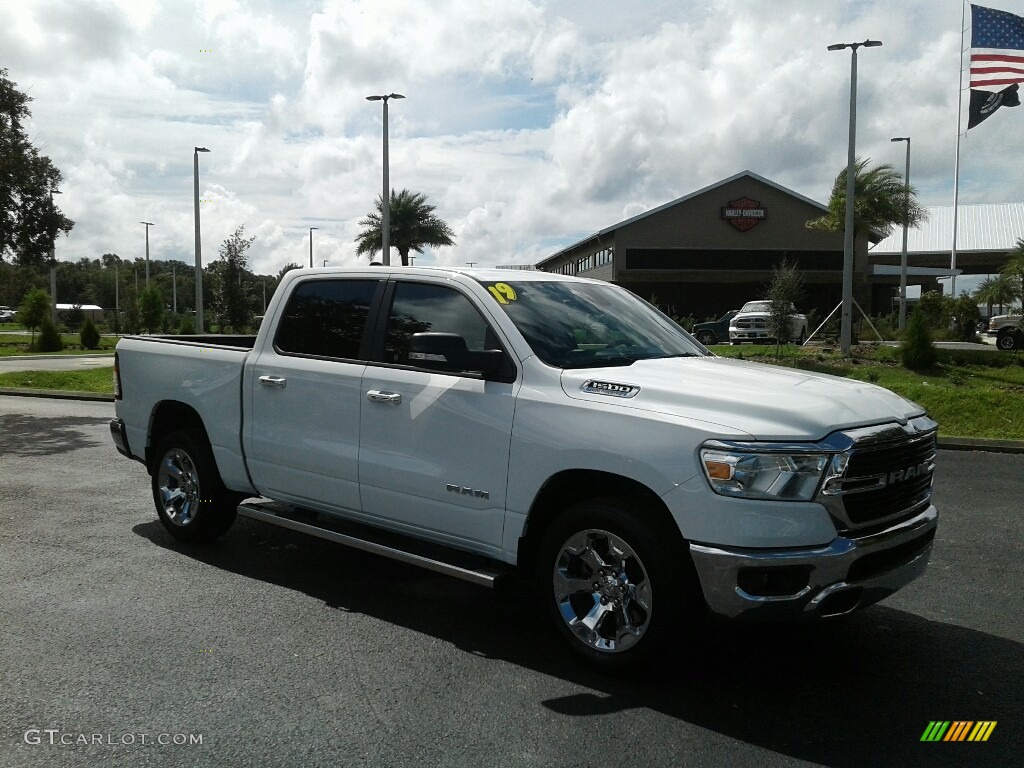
x=167, y=416
x=570, y=487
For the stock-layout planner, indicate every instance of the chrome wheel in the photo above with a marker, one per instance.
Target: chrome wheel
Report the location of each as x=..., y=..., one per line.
x=178, y=487
x=602, y=591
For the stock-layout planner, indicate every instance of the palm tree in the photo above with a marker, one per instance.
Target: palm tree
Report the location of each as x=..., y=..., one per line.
x=1000, y=290
x=412, y=226
x=880, y=201
x=1014, y=269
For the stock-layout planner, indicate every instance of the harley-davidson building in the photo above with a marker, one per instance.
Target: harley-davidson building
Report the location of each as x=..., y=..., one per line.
x=715, y=249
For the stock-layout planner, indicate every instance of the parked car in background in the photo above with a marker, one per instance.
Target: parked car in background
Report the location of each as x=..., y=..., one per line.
x=714, y=331
x=7, y=315
x=752, y=321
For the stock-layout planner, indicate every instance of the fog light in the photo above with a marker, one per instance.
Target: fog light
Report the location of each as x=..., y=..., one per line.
x=780, y=581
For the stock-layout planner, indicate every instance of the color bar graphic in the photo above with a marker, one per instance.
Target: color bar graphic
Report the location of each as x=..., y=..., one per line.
x=958, y=730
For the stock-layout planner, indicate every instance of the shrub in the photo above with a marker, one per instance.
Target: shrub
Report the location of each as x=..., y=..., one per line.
x=49, y=339
x=34, y=307
x=917, y=351
x=187, y=327
x=89, y=336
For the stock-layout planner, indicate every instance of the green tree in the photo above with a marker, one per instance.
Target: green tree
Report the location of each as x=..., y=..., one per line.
x=997, y=291
x=29, y=218
x=232, y=304
x=89, y=336
x=880, y=202
x=151, y=308
x=34, y=308
x=784, y=291
x=1014, y=271
x=412, y=226
x=937, y=309
x=966, y=316
x=132, y=315
x=49, y=338
x=916, y=350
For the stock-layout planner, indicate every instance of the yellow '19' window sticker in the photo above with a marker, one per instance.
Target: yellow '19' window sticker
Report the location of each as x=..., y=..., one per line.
x=503, y=292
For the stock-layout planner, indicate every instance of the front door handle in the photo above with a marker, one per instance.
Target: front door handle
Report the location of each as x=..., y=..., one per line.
x=376, y=396
x=273, y=381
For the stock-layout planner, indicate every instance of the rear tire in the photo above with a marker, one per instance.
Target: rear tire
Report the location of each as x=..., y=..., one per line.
x=612, y=579
x=191, y=500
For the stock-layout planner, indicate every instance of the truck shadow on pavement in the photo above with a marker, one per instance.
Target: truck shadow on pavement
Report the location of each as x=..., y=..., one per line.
x=41, y=436
x=858, y=691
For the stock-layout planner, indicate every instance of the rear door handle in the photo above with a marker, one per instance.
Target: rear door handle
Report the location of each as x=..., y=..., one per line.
x=273, y=381
x=376, y=396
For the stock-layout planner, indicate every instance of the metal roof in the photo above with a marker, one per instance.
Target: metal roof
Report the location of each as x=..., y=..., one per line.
x=990, y=227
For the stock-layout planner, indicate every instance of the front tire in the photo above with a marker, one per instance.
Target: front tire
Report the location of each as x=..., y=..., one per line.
x=1009, y=339
x=616, y=586
x=191, y=500
x=706, y=338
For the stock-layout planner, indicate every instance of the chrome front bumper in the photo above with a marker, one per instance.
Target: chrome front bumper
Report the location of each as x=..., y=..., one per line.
x=847, y=574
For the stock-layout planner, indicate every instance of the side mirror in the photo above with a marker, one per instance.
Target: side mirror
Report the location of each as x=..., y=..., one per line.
x=447, y=352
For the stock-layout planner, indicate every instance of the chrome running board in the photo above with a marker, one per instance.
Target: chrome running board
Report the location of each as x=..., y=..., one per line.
x=468, y=567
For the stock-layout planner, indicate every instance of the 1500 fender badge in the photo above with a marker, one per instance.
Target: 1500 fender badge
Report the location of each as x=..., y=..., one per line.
x=609, y=388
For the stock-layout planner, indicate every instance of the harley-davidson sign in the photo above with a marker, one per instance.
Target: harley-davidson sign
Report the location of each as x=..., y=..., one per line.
x=744, y=213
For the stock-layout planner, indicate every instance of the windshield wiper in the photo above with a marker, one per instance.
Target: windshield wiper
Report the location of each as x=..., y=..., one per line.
x=602, y=362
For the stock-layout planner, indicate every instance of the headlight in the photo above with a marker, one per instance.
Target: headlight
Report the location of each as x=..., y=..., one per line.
x=762, y=474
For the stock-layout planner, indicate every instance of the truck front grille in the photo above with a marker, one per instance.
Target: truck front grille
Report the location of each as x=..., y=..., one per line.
x=888, y=476
x=752, y=322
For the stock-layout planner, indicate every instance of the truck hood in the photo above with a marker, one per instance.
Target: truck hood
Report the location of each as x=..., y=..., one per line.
x=749, y=400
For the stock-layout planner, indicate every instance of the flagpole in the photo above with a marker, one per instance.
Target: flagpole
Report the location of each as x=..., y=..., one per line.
x=956, y=162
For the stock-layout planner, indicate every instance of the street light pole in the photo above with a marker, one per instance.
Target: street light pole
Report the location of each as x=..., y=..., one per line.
x=906, y=222
x=148, y=225
x=846, y=323
x=174, y=286
x=53, y=262
x=385, y=212
x=311, y=246
x=199, y=246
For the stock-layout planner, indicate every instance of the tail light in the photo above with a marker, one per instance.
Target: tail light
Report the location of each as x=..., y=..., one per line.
x=117, y=379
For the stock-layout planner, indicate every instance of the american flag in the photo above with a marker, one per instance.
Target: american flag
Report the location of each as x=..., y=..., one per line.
x=997, y=48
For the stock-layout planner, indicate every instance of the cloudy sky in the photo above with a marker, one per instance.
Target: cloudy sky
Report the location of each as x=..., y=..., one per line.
x=528, y=124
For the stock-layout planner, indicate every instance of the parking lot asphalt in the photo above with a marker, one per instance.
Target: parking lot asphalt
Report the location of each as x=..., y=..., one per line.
x=276, y=649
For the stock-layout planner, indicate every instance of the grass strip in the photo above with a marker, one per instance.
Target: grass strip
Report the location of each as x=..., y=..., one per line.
x=971, y=394
x=99, y=380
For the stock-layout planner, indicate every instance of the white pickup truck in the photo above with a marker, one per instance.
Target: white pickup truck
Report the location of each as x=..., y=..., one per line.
x=752, y=323
x=483, y=423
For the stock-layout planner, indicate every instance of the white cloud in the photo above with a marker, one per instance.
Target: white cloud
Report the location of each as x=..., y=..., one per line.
x=528, y=124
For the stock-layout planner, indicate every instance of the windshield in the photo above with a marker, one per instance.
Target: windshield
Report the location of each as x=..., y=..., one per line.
x=757, y=306
x=583, y=325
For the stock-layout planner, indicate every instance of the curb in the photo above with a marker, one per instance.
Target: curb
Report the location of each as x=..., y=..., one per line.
x=981, y=444
x=947, y=443
x=57, y=357
x=58, y=394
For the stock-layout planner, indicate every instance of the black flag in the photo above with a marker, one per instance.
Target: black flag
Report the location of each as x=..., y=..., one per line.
x=984, y=103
